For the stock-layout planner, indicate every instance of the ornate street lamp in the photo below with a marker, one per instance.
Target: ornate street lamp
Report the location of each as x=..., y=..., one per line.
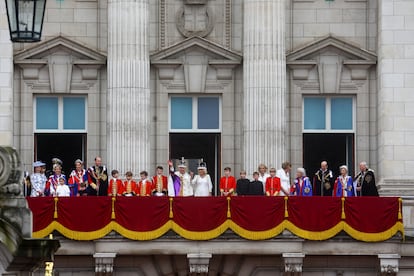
x=25, y=19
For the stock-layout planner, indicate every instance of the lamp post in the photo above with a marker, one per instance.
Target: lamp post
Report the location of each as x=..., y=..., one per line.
x=25, y=19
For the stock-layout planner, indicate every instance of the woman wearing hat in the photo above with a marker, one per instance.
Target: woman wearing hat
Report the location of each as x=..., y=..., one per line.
x=344, y=185
x=302, y=185
x=38, y=180
x=53, y=181
x=202, y=182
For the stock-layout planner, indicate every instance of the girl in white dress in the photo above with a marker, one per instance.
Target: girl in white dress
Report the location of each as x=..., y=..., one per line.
x=202, y=184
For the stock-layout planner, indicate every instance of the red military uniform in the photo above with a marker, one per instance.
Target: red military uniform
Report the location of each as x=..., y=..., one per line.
x=116, y=187
x=227, y=184
x=272, y=186
x=130, y=188
x=144, y=187
x=159, y=185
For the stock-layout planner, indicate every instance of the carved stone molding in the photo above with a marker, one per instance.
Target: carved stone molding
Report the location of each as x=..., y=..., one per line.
x=104, y=263
x=389, y=263
x=293, y=262
x=195, y=19
x=198, y=262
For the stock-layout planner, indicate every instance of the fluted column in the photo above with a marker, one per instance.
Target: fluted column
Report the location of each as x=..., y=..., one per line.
x=264, y=70
x=128, y=109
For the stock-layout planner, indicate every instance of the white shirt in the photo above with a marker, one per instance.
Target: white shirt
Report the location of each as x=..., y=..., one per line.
x=62, y=190
x=202, y=185
x=263, y=178
x=284, y=181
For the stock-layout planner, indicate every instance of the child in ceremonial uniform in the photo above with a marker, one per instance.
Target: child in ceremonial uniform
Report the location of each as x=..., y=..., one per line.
x=144, y=185
x=227, y=183
x=273, y=184
x=116, y=188
x=159, y=183
x=130, y=186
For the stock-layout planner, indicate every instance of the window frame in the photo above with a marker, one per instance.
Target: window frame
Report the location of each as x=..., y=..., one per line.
x=328, y=115
x=60, y=128
x=194, y=128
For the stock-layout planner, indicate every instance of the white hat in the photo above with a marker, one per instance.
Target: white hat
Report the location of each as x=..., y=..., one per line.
x=302, y=171
x=343, y=167
x=38, y=164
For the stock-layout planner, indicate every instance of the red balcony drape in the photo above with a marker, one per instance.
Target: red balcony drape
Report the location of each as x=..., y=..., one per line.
x=368, y=219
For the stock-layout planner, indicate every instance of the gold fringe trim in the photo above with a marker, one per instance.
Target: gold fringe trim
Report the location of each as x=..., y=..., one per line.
x=375, y=237
x=228, y=207
x=343, y=208
x=202, y=235
x=257, y=235
x=142, y=236
x=286, y=207
x=171, y=208
x=113, y=208
x=314, y=235
x=399, y=208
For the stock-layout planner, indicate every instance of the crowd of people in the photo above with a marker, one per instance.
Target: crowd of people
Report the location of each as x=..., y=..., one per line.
x=94, y=181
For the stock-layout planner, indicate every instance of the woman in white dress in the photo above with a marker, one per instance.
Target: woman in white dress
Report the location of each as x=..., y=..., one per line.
x=202, y=184
x=284, y=176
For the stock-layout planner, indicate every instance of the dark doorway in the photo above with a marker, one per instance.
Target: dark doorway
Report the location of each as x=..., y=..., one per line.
x=66, y=147
x=337, y=149
x=197, y=146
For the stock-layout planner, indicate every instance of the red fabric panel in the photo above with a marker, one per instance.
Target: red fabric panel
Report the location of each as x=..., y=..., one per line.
x=85, y=213
x=42, y=209
x=314, y=213
x=142, y=213
x=371, y=214
x=200, y=213
x=257, y=213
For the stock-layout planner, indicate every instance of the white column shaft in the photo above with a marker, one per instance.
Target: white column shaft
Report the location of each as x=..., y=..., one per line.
x=264, y=127
x=128, y=85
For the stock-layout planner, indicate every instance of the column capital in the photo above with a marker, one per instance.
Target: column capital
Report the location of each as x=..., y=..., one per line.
x=389, y=263
x=199, y=262
x=293, y=262
x=104, y=263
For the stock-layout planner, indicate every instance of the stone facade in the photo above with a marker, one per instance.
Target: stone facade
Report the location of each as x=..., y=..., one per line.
x=128, y=58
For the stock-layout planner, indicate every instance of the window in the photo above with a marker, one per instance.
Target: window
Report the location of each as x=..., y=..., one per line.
x=328, y=114
x=195, y=114
x=60, y=114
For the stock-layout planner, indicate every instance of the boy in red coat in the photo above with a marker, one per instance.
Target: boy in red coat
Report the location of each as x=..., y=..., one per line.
x=227, y=183
x=116, y=187
x=272, y=184
x=144, y=185
x=159, y=183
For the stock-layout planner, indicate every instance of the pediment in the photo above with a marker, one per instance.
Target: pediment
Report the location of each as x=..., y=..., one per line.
x=351, y=53
x=59, y=45
x=215, y=52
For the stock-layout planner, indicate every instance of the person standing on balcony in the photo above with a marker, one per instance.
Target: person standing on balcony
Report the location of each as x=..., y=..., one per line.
x=365, y=181
x=159, y=183
x=284, y=175
x=144, y=185
x=256, y=186
x=227, y=183
x=78, y=179
x=179, y=182
x=116, y=187
x=98, y=178
x=323, y=181
x=242, y=185
x=263, y=175
x=53, y=181
x=273, y=185
x=202, y=184
x=38, y=180
x=302, y=185
x=344, y=185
